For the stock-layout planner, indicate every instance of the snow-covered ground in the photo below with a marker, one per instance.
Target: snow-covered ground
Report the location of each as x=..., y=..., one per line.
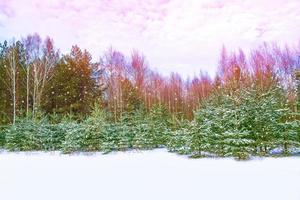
x=145, y=175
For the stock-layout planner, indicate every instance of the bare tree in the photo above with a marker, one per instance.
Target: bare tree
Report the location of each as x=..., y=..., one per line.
x=41, y=58
x=45, y=68
x=32, y=45
x=11, y=71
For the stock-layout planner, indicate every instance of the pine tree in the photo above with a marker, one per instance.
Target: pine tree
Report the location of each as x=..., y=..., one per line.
x=78, y=93
x=94, y=129
x=74, y=134
x=143, y=133
x=160, y=123
x=110, y=140
x=287, y=136
x=52, y=135
x=24, y=136
x=125, y=133
x=179, y=141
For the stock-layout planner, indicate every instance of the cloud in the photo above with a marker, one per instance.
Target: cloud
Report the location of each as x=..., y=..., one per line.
x=175, y=35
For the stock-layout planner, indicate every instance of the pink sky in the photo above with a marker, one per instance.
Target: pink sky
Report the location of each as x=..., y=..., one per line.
x=175, y=35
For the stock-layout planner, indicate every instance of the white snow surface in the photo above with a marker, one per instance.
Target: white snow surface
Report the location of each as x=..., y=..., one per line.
x=145, y=175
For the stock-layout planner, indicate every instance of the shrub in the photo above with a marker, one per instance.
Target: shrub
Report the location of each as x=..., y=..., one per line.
x=23, y=136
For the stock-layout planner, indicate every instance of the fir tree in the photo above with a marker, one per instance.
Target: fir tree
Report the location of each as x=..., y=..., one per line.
x=179, y=141
x=110, y=138
x=78, y=93
x=143, y=133
x=160, y=123
x=23, y=136
x=94, y=130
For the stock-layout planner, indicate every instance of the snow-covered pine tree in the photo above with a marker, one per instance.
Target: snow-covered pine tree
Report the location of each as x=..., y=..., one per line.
x=125, y=135
x=23, y=136
x=263, y=117
x=88, y=135
x=220, y=127
x=237, y=136
x=160, y=123
x=287, y=137
x=110, y=139
x=211, y=124
x=238, y=144
x=179, y=141
x=51, y=136
x=198, y=135
x=143, y=136
x=94, y=129
x=74, y=134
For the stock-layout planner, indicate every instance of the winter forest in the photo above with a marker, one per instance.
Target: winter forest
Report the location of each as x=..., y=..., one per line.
x=73, y=103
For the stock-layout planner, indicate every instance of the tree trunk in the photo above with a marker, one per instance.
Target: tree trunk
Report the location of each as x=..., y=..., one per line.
x=14, y=86
x=27, y=90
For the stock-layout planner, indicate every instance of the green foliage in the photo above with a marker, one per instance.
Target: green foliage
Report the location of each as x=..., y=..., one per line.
x=94, y=129
x=160, y=124
x=85, y=136
x=143, y=137
x=28, y=134
x=72, y=88
x=288, y=136
x=2, y=136
x=6, y=109
x=179, y=141
x=110, y=141
x=237, y=125
x=125, y=136
x=23, y=136
x=243, y=124
x=51, y=135
x=74, y=135
x=131, y=100
x=237, y=144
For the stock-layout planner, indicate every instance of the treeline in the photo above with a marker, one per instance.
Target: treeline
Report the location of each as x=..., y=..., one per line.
x=70, y=103
x=36, y=78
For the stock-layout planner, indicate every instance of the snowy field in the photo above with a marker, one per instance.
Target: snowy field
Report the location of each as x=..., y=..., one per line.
x=145, y=175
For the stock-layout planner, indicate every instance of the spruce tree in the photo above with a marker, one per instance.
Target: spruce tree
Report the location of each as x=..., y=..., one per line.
x=78, y=93
x=143, y=133
x=24, y=136
x=160, y=124
x=94, y=130
x=179, y=141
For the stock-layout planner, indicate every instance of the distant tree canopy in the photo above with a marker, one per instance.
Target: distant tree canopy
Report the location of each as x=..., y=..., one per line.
x=36, y=78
